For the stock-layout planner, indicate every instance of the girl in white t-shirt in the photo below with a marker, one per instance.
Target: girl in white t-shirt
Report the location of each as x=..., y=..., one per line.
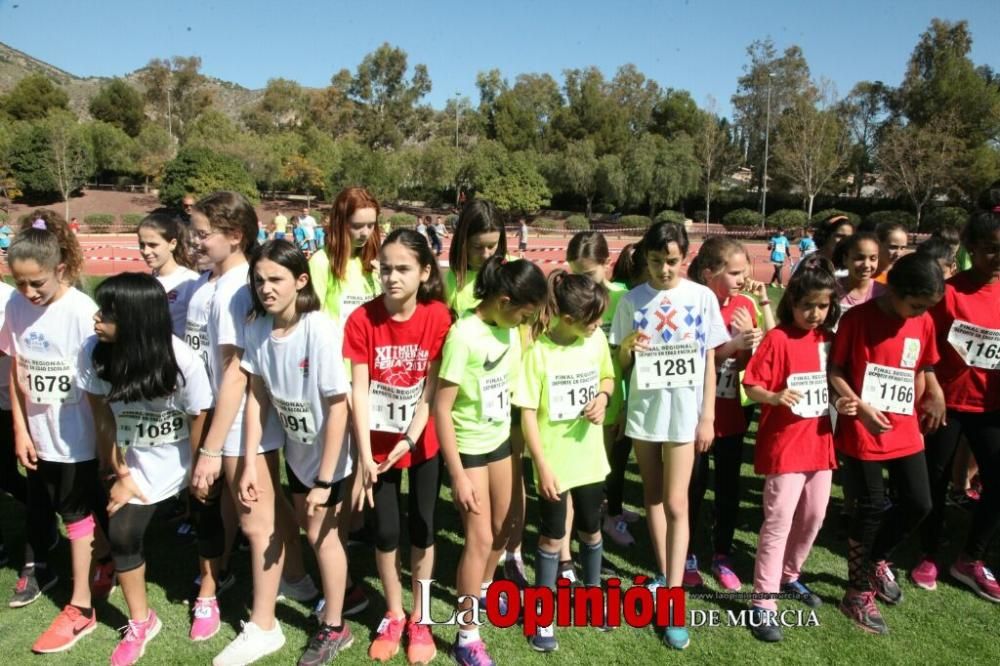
x=45, y=326
x=295, y=364
x=163, y=243
x=665, y=328
x=150, y=397
x=225, y=228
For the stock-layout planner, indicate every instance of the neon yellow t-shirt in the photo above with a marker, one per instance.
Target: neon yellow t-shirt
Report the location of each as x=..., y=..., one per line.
x=460, y=300
x=339, y=298
x=557, y=381
x=483, y=361
x=615, y=291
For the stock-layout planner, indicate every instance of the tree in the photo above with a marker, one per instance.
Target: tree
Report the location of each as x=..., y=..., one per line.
x=153, y=148
x=919, y=161
x=386, y=99
x=612, y=184
x=26, y=158
x=110, y=148
x=121, y=105
x=714, y=151
x=199, y=171
x=812, y=145
x=659, y=171
x=579, y=171
x=591, y=112
x=331, y=109
x=379, y=171
x=510, y=180
x=284, y=105
x=33, y=97
x=66, y=158
x=176, y=90
x=521, y=116
x=866, y=110
x=676, y=112
x=637, y=95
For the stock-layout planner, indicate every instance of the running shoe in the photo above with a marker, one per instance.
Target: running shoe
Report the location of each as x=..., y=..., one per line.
x=420, y=648
x=978, y=578
x=326, y=644
x=251, y=644
x=722, y=571
x=303, y=590
x=205, y=620
x=692, y=578
x=677, y=638
x=64, y=632
x=105, y=580
x=616, y=529
x=861, y=609
x=135, y=638
x=925, y=574
x=32, y=582
x=388, y=636
x=473, y=654
x=884, y=583
x=806, y=596
x=764, y=625
x=513, y=570
x=544, y=640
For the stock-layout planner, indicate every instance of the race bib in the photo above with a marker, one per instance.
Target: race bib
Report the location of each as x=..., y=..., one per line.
x=979, y=347
x=390, y=408
x=50, y=381
x=570, y=392
x=815, y=392
x=669, y=366
x=297, y=419
x=349, y=303
x=727, y=380
x=144, y=429
x=494, y=398
x=888, y=389
x=196, y=337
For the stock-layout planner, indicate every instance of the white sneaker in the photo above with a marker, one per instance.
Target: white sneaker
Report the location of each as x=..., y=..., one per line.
x=302, y=590
x=253, y=643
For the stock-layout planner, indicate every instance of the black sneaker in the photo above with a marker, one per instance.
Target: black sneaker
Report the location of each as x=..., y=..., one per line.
x=764, y=625
x=806, y=596
x=861, y=609
x=31, y=584
x=544, y=640
x=885, y=585
x=325, y=645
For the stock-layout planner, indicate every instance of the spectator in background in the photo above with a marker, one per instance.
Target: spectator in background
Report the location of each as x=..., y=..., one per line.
x=6, y=233
x=187, y=205
x=432, y=236
x=779, y=247
x=280, y=226
x=422, y=229
x=307, y=223
x=522, y=238
x=74, y=225
x=442, y=230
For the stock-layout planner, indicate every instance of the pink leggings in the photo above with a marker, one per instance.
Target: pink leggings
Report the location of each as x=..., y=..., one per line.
x=794, y=508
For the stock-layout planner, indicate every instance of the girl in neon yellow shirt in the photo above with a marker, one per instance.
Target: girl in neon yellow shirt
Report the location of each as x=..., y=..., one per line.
x=479, y=235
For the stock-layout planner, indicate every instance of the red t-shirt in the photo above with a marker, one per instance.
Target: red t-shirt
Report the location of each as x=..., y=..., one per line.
x=729, y=418
x=787, y=442
x=971, y=301
x=866, y=335
x=398, y=353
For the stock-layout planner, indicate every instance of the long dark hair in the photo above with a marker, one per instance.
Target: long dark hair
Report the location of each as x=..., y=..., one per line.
x=170, y=227
x=571, y=294
x=815, y=273
x=230, y=212
x=433, y=288
x=521, y=281
x=844, y=248
x=140, y=363
x=917, y=275
x=478, y=217
x=288, y=256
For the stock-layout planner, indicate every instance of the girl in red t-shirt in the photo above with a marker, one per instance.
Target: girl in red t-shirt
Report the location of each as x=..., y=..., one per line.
x=722, y=266
x=394, y=345
x=968, y=333
x=880, y=369
x=794, y=449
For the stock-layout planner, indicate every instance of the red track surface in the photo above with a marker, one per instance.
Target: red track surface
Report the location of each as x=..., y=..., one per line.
x=111, y=254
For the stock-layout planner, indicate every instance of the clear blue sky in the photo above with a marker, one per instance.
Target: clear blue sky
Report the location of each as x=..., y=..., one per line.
x=697, y=45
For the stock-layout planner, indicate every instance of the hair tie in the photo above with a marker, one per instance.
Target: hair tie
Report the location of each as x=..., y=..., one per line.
x=996, y=209
x=503, y=261
x=39, y=224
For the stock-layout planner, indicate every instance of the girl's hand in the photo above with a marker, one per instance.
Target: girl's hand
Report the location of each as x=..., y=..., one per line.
x=206, y=472
x=26, y=454
x=122, y=492
x=704, y=435
x=369, y=475
x=748, y=339
x=635, y=341
x=846, y=406
x=248, y=485
x=874, y=421
x=742, y=321
x=316, y=499
x=786, y=398
x=548, y=485
x=932, y=411
x=758, y=289
x=398, y=451
x=594, y=410
x=465, y=493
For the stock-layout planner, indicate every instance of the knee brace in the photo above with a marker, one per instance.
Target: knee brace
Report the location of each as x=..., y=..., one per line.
x=81, y=529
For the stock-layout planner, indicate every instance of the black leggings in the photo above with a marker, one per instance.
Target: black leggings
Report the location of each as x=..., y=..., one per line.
x=586, y=511
x=615, y=480
x=425, y=482
x=207, y=519
x=983, y=432
x=72, y=490
x=728, y=454
x=881, y=524
x=11, y=479
x=126, y=529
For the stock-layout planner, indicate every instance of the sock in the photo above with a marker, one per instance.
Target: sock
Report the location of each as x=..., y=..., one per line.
x=590, y=557
x=855, y=566
x=465, y=637
x=546, y=568
x=87, y=612
x=336, y=629
x=484, y=587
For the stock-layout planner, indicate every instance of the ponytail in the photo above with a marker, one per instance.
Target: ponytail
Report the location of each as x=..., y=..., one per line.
x=571, y=294
x=521, y=281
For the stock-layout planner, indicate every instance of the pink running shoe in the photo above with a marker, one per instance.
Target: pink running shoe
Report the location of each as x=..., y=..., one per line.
x=206, y=620
x=135, y=638
x=977, y=577
x=925, y=574
x=105, y=580
x=692, y=578
x=723, y=573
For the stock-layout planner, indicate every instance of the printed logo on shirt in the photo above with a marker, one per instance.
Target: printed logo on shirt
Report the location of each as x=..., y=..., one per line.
x=304, y=366
x=36, y=341
x=666, y=319
x=911, y=352
x=489, y=365
x=172, y=296
x=406, y=358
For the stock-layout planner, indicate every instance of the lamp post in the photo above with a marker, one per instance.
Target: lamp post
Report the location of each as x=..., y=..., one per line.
x=767, y=146
x=457, y=109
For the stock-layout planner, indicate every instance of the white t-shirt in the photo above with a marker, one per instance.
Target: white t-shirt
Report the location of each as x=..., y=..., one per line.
x=179, y=285
x=308, y=226
x=6, y=291
x=230, y=304
x=46, y=341
x=156, y=434
x=300, y=370
x=688, y=313
x=196, y=326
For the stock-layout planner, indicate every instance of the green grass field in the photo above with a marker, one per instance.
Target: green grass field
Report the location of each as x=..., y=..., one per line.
x=947, y=626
